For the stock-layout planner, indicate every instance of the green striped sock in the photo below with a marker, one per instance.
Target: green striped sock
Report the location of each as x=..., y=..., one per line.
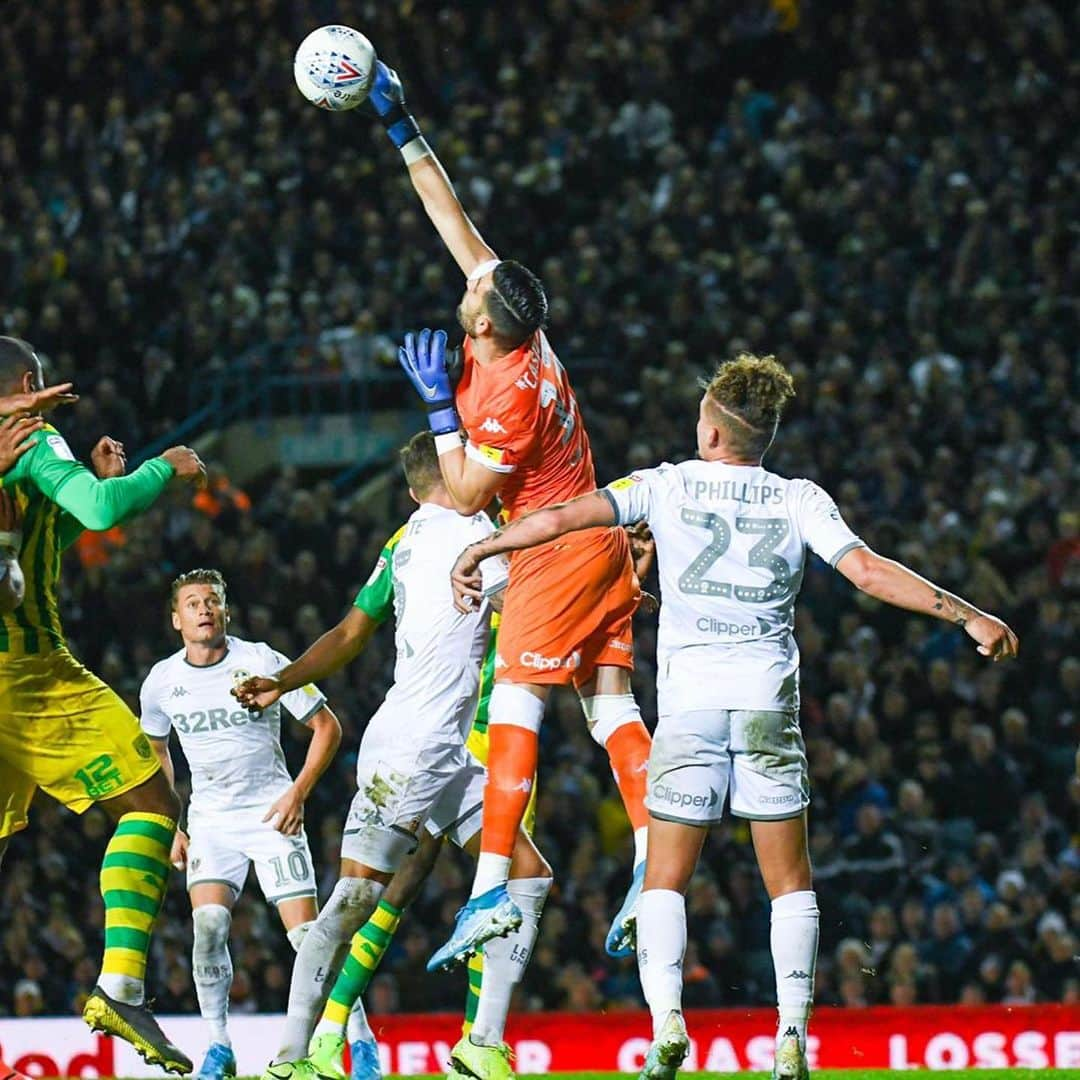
x=369, y=944
x=134, y=874
x=472, y=995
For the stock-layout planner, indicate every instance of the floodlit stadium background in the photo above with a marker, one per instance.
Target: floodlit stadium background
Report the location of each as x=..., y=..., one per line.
x=884, y=196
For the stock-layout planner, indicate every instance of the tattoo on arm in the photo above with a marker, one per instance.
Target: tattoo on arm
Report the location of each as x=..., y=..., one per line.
x=952, y=608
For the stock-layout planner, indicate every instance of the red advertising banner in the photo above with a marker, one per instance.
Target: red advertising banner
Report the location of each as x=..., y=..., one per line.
x=933, y=1037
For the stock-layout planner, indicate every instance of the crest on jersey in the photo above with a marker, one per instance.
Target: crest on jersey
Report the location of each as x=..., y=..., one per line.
x=60, y=447
x=238, y=675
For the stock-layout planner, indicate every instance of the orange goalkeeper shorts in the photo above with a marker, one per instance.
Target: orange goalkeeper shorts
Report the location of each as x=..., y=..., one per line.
x=568, y=610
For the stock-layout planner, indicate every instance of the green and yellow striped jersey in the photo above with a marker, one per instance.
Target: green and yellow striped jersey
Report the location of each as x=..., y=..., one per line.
x=55, y=495
x=376, y=600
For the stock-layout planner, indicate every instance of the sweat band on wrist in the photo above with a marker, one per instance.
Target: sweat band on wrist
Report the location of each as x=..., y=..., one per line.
x=415, y=149
x=483, y=269
x=444, y=444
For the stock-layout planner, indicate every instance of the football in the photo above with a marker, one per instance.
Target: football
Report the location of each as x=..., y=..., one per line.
x=333, y=67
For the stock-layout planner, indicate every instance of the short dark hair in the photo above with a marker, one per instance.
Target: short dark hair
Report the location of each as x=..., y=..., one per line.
x=748, y=395
x=197, y=577
x=17, y=356
x=420, y=463
x=516, y=303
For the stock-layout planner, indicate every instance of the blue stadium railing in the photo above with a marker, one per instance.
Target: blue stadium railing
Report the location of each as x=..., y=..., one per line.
x=248, y=392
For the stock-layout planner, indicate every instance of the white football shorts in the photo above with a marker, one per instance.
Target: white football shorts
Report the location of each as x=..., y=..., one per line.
x=703, y=757
x=406, y=779
x=223, y=846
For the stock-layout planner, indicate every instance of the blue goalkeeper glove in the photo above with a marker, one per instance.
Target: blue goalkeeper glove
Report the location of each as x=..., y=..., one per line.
x=388, y=98
x=423, y=358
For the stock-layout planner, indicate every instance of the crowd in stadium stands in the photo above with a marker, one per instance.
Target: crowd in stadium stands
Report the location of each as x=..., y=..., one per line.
x=887, y=200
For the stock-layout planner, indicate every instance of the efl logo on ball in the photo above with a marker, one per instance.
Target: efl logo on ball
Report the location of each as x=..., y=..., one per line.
x=333, y=67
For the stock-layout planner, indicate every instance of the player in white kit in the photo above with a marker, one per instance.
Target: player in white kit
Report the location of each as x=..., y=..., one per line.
x=245, y=807
x=731, y=541
x=413, y=770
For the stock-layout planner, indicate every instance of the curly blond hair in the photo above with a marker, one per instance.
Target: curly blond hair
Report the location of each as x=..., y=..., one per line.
x=746, y=398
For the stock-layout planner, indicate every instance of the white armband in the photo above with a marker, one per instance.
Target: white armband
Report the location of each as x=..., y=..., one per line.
x=448, y=442
x=415, y=149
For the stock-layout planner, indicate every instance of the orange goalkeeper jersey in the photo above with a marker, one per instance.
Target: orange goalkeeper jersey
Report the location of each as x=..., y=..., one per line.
x=521, y=419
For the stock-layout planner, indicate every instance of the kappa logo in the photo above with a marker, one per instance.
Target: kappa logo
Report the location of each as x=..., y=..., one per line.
x=493, y=425
x=797, y=974
x=179, y=691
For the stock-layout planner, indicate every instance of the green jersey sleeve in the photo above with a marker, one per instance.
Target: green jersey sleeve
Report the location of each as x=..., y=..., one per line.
x=376, y=598
x=96, y=504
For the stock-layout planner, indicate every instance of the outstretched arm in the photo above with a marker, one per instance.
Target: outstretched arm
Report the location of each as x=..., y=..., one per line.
x=893, y=583
x=447, y=214
x=325, y=657
x=427, y=174
x=99, y=503
x=590, y=511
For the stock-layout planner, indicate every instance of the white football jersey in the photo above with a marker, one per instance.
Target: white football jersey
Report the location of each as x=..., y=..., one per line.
x=439, y=649
x=731, y=545
x=235, y=753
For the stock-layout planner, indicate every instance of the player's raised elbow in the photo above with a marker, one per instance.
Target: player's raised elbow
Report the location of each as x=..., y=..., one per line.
x=862, y=567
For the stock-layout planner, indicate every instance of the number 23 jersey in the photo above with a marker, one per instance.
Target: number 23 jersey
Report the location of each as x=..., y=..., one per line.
x=235, y=753
x=731, y=545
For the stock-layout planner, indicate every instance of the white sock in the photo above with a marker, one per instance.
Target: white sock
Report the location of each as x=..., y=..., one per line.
x=641, y=845
x=794, y=941
x=125, y=988
x=297, y=934
x=661, y=943
x=211, y=968
x=319, y=960
x=491, y=870
x=359, y=1030
x=505, y=960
